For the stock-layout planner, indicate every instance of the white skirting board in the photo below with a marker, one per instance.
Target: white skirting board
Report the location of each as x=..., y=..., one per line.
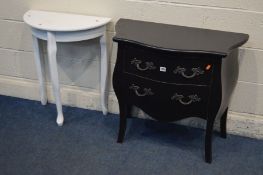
x=248, y=125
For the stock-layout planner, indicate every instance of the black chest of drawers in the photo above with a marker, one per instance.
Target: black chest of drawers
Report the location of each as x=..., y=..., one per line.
x=174, y=72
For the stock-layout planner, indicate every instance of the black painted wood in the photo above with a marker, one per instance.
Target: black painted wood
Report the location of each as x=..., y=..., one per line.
x=223, y=124
x=137, y=59
x=176, y=77
x=178, y=38
x=123, y=121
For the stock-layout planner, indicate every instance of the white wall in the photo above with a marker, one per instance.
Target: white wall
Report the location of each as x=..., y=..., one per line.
x=79, y=62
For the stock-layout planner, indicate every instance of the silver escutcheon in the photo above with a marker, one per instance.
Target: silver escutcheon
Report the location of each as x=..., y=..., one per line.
x=146, y=91
x=182, y=99
x=182, y=71
x=147, y=66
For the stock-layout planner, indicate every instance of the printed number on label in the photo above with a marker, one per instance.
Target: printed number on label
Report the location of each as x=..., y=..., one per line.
x=162, y=69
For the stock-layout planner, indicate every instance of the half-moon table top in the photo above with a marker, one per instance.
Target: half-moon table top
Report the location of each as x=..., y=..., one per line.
x=62, y=22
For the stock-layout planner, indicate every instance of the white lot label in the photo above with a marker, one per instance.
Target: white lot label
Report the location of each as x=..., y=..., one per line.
x=163, y=69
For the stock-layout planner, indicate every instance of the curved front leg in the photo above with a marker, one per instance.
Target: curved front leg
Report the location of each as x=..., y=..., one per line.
x=40, y=71
x=52, y=52
x=104, y=74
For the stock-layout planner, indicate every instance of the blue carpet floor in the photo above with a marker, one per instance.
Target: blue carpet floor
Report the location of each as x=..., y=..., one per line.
x=32, y=144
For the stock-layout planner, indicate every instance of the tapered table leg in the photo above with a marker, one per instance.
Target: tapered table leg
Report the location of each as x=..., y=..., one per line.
x=208, y=140
x=40, y=71
x=52, y=52
x=123, y=121
x=104, y=74
x=223, y=124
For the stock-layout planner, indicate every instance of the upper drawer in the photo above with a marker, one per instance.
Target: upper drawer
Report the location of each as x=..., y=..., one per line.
x=168, y=67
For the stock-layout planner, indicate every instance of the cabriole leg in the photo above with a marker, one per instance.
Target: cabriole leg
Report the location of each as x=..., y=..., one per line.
x=40, y=71
x=104, y=74
x=52, y=52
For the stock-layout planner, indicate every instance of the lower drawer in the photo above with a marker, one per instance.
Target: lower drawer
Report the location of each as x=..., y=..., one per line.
x=167, y=102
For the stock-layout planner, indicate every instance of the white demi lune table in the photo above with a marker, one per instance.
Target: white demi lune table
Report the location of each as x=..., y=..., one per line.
x=63, y=27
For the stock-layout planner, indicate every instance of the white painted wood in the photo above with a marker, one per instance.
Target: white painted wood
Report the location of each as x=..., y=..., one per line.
x=62, y=27
x=62, y=22
x=71, y=36
x=52, y=51
x=104, y=73
x=40, y=71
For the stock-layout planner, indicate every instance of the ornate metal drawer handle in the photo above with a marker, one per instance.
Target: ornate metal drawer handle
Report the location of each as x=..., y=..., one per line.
x=147, y=91
x=148, y=65
x=196, y=71
x=180, y=98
